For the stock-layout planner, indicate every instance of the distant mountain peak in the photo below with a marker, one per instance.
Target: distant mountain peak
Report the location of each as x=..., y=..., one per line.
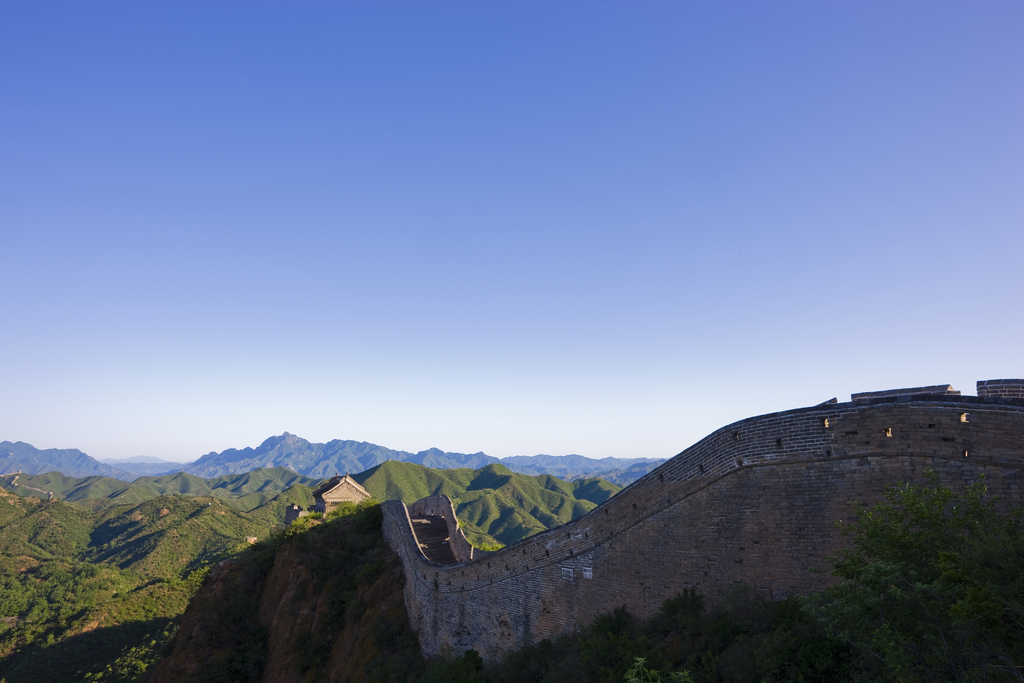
x=337, y=456
x=286, y=438
x=146, y=459
x=23, y=457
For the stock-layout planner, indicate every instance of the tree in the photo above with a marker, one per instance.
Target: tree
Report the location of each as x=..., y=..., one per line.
x=639, y=673
x=934, y=585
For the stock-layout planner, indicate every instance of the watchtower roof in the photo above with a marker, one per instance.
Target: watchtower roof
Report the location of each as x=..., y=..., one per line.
x=336, y=482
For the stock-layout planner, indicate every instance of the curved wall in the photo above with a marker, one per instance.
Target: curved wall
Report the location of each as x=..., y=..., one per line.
x=754, y=502
x=442, y=506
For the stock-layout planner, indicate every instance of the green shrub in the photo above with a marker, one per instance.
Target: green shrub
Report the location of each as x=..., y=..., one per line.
x=934, y=585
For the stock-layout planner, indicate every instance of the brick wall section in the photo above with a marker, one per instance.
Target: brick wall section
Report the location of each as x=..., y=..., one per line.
x=442, y=506
x=895, y=394
x=754, y=502
x=292, y=513
x=1001, y=388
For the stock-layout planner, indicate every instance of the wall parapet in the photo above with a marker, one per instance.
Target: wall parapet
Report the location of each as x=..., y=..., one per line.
x=1001, y=388
x=755, y=501
x=442, y=506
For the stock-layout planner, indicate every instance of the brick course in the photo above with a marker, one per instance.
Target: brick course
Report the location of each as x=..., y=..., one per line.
x=755, y=502
x=1002, y=388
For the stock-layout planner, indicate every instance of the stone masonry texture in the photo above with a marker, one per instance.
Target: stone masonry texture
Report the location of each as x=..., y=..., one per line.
x=442, y=506
x=755, y=502
x=1004, y=388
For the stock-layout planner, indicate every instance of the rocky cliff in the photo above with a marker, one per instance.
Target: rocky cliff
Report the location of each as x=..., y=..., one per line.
x=323, y=603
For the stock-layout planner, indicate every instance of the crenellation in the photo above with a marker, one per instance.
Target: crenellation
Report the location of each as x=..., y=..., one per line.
x=1001, y=388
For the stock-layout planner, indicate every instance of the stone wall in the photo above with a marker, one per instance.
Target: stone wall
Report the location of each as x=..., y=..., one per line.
x=1001, y=388
x=754, y=502
x=895, y=394
x=292, y=513
x=442, y=506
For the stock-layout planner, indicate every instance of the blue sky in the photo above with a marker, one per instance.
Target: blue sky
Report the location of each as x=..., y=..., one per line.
x=604, y=228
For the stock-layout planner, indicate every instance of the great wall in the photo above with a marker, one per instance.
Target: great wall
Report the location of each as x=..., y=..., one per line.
x=755, y=502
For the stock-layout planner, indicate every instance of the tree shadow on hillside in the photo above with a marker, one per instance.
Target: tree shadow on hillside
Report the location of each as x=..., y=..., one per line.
x=72, y=658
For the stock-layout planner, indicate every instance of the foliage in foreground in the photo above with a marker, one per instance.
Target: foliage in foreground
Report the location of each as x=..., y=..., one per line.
x=933, y=590
x=742, y=638
x=934, y=586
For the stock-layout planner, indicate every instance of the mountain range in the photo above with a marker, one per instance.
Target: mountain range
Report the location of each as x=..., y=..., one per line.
x=23, y=457
x=145, y=466
x=315, y=460
x=339, y=457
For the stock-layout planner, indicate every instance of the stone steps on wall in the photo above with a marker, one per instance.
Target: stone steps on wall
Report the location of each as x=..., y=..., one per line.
x=432, y=536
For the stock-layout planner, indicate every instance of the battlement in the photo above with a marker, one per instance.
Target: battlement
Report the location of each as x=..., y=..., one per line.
x=442, y=506
x=1001, y=388
x=934, y=390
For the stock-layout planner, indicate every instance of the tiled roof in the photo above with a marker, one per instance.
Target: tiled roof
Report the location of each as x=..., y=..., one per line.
x=336, y=481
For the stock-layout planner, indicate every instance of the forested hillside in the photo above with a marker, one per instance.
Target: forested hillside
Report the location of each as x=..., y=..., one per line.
x=246, y=491
x=931, y=590
x=494, y=505
x=98, y=574
x=78, y=587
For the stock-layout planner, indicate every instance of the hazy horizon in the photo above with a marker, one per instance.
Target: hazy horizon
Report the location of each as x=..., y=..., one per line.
x=184, y=459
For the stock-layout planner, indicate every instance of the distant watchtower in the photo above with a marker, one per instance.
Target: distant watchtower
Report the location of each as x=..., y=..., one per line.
x=292, y=513
x=338, y=490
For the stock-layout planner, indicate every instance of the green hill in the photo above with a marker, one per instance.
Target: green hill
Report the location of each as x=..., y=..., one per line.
x=246, y=491
x=162, y=537
x=78, y=586
x=102, y=565
x=170, y=535
x=62, y=486
x=32, y=531
x=272, y=511
x=493, y=503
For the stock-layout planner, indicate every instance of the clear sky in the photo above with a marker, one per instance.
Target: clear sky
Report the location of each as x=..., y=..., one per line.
x=605, y=228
